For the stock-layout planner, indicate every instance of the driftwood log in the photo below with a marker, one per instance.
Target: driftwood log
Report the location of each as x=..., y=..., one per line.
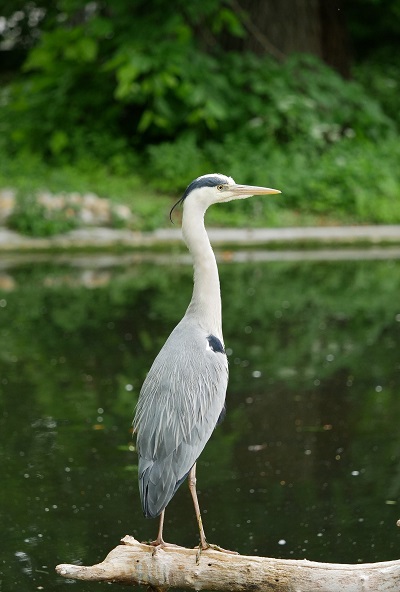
x=177, y=567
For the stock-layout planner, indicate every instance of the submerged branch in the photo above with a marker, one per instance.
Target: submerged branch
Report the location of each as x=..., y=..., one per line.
x=178, y=567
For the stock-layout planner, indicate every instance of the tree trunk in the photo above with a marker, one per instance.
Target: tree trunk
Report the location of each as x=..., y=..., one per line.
x=294, y=26
x=335, y=47
x=178, y=567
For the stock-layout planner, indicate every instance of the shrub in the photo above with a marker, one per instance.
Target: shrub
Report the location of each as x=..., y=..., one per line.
x=34, y=219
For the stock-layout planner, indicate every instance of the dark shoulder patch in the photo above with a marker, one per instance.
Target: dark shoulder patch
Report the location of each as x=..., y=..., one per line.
x=215, y=344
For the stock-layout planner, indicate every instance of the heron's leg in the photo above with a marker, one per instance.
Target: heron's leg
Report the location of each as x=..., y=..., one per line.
x=159, y=542
x=192, y=486
x=203, y=542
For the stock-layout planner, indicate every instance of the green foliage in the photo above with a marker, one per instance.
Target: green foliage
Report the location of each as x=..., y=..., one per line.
x=30, y=175
x=380, y=76
x=373, y=25
x=352, y=181
x=105, y=75
x=28, y=172
x=33, y=218
x=128, y=101
x=348, y=182
x=107, y=81
x=172, y=164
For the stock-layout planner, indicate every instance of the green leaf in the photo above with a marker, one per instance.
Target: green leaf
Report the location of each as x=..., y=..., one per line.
x=58, y=142
x=83, y=50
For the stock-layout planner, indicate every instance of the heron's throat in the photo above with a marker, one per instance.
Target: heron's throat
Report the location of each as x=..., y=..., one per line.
x=205, y=305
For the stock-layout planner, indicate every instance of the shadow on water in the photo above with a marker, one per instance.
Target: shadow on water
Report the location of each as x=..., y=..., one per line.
x=307, y=462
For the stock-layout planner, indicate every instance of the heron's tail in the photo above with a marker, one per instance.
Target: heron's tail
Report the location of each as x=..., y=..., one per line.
x=157, y=486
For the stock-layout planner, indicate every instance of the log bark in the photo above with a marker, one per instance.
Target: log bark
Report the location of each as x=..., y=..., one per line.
x=178, y=567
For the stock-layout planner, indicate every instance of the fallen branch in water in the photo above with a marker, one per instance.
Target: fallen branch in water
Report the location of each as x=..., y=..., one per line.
x=178, y=567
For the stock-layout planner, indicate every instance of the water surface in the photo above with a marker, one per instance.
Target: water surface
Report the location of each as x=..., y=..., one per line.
x=306, y=463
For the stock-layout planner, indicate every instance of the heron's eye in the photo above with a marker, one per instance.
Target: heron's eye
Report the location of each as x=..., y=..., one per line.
x=220, y=187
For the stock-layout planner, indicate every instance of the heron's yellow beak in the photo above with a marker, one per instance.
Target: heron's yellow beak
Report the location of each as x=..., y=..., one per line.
x=248, y=190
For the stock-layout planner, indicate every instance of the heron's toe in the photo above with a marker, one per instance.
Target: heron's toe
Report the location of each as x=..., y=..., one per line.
x=200, y=548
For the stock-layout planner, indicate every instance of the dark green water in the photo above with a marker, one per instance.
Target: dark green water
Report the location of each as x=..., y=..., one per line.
x=306, y=464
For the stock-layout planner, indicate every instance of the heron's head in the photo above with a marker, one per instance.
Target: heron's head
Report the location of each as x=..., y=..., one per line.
x=216, y=188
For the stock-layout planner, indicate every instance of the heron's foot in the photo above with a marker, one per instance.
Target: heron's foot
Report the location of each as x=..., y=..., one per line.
x=203, y=547
x=161, y=544
x=218, y=548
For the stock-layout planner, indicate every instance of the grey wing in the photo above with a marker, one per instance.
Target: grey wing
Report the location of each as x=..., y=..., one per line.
x=179, y=406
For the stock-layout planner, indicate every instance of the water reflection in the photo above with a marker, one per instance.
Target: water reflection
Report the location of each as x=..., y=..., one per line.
x=307, y=462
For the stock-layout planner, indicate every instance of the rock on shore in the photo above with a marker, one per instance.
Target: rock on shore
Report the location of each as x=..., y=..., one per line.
x=89, y=209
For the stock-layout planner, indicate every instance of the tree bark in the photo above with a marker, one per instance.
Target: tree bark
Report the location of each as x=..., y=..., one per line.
x=294, y=26
x=335, y=46
x=178, y=567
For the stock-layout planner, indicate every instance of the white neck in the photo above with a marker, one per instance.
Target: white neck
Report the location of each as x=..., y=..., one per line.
x=205, y=306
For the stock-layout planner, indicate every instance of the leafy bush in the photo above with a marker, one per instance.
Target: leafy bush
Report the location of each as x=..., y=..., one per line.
x=130, y=102
x=380, y=77
x=100, y=82
x=171, y=165
x=34, y=219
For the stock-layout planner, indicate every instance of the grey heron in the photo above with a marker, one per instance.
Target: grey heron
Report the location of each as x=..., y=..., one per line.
x=182, y=398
